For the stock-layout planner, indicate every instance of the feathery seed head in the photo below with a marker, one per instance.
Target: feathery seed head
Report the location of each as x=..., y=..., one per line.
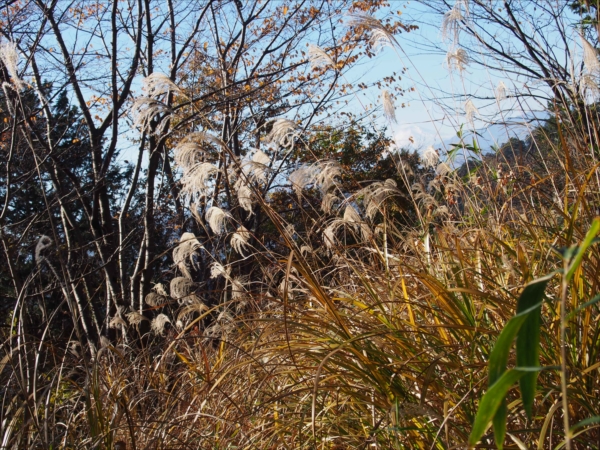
x=217, y=270
x=239, y=239
x=182, y=287
x=470, y=111
x=430, y=156
x=388, y=106
x=158, y=83
x=380, y=35
x=42, y=244
x=216, y=218
x=501, y=91
x=10, y=57
x=244, y=194
x=318, y=57
x=457, y=59
x=117, y=322
x=135, y=318
x=590, y=56
x=450, y=28
x=158, y=324
x=283, y=133
x=188, y=244
x=160, y=289
x=145, y=109
x=195, y=181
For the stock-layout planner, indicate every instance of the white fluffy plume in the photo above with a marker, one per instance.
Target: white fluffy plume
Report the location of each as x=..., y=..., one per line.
x=283, y=133
x=157, y=84
x=470, y=112
x=318, y=57
x=457, y=59
x=10, y=57
x=239, y=239
x=380, y=35
x=450, y=28
x=158, y=323
x=501, y=91
x=244, y=194
x=218, y=270
x=145, y=109
x=322, y=174
x=216, y=219
x=430, y=156
x=182, y=287
x=375, y=194
x=188, y=244
x=388, y=106
x=195, y=181
x=590, y=56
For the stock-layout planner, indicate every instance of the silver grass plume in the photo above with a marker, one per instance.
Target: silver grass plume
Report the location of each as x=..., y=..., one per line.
x=590, y=56
x=195, y=181
x=145, y=109
x=318, y=57
x=388, y=106
x=588, y=87
x=160, y=289
x=117, y=322
x=42, y=244
x=217, y=270
x=501, y=91
x=238, y=287
x=326, y=172
x=301, y=177
x=322, y=174
x=239, y=239
x=182, y=287
x=245, y=196
x=376, y=193
x=189, y=151
x=188, y=244
x=450, y=28
x=457, y=59
x=10, y=58
x=155, y=299
x=158, y=324
x=135, y=318
x=216, y=218
x=443, y=169
x=430, y=156
x=256, y=168
x=158, y=83
x=380, y=36
x=470, y=112
x=186, y=311
x=327, y=202
x=283, y=133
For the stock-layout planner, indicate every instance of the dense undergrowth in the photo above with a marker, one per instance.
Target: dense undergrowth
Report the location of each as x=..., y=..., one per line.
x=380, y=337
x=368, y=322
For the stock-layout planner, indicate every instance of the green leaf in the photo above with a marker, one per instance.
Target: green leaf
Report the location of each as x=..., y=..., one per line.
x=491, y=402
x=580, y=250
x=582, y=307
x=584, y=423
x=530, y=302
x=528, y=337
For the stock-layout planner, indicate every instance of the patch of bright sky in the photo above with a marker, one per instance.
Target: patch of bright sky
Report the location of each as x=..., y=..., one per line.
x=435, y=110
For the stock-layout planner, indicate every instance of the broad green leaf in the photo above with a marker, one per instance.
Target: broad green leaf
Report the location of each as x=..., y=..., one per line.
x=528, y=337
x=529, y=303
x=490, y=402
x=580, y=250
